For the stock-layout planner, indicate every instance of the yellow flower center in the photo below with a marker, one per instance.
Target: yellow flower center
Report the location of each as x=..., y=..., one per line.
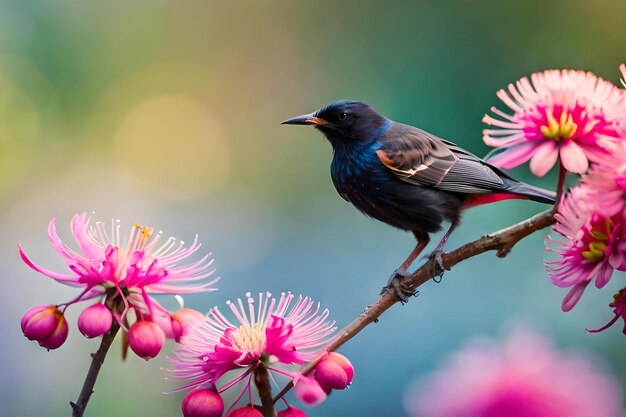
x=564, y=128
x=597, y=247
x=250, y=338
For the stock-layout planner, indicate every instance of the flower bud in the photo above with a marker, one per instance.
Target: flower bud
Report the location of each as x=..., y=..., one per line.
x=330, y=375
x=40, y=321
x=247, y=411
x=58, y=335
x=291, y=411
x=309, y=391
x=343, y=362
x=95, y=321
x=182, y=319
x=146, y=339
x=203, y=403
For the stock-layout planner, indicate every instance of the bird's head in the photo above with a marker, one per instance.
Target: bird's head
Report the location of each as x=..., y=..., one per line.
x=345, y=120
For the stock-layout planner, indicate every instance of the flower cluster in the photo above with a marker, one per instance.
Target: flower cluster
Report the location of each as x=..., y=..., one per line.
x=269, y=334
x=592, y=248
x=579, y=119
x=525, y=376
x=122, y=277
x=591, y=222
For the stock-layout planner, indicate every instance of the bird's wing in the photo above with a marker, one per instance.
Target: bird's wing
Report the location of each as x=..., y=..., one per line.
x=420, y=158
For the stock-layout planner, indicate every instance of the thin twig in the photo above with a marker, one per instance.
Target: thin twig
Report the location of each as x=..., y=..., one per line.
x=97, y=359
x=501, y=241
x=78, y=408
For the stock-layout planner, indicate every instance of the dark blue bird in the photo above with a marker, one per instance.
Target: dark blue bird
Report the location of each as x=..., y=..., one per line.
x=406, y=177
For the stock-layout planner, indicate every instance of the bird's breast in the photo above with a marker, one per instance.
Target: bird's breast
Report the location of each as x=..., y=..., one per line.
x=360, y=180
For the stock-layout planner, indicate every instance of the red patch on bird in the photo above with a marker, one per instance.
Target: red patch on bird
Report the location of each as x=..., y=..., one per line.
x=384, y=158
x=480, y=199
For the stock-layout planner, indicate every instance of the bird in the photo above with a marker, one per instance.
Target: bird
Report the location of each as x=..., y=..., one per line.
x=408, y=178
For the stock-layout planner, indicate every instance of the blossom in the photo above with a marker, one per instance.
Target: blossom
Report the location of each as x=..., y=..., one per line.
x=270, y=332
x=619, y=309
x=606, y=182
x=95, y=321
x=569, y=114
x=334, y=371
x=46, y=325
x=592, y=248
x=203, y=403
x=523, y=376
x=126, y=275
x=291, y=411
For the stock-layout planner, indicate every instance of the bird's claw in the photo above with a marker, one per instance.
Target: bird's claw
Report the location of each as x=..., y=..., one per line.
x=395, y=284
x=437, y=255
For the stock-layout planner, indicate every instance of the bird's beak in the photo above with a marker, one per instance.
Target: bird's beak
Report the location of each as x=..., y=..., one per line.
x=305, y=119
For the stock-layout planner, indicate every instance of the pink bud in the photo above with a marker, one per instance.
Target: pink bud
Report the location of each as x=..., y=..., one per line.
x=203, y=403
x=182, y=319
x=40, y=321
x=146, y=339
x=247, y=411
x=58, y=335
x=330, y=375
x=309, y=391
x=343, y=362
x=95, y=321
x=291, y=412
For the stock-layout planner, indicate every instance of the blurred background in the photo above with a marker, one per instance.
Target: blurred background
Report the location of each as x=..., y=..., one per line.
x=168, y=114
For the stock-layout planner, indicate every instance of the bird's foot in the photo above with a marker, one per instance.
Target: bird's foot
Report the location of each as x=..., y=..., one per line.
x=440, y=268
x=397, y=286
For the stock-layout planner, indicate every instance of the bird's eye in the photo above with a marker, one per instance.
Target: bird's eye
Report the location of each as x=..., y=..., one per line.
x=343, y=116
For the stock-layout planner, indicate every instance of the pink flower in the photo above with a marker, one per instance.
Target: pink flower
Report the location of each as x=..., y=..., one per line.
x=606, y=182
x=522, y=377
x=247, y=411
x=569, y=114
x=266, y=331
x=291, y=411
x=46, y=325
x=334, y=371
x=203, y=403
x=309, y=391
x=146, y=339
x=95, y=320
x=126, y=273
x=619, y=309
x=592, y=248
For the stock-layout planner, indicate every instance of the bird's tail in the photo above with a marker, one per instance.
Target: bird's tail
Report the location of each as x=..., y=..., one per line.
x=531, y=192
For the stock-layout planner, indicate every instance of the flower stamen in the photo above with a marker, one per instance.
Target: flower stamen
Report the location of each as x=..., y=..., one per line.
x=565, y=128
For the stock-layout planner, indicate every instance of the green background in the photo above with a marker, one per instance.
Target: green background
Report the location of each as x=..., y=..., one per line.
x=167, y=113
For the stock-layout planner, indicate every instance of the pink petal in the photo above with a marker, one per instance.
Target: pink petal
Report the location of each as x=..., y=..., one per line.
x=70, y=280
x=79, y=227
x=573, y=296
x=604, y=275
x=574, y=158
x=513, y=156
x=544, y=159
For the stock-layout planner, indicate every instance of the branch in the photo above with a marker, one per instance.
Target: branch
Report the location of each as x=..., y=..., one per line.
x=263, y=386
x=501, y=241
x=78, y=408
